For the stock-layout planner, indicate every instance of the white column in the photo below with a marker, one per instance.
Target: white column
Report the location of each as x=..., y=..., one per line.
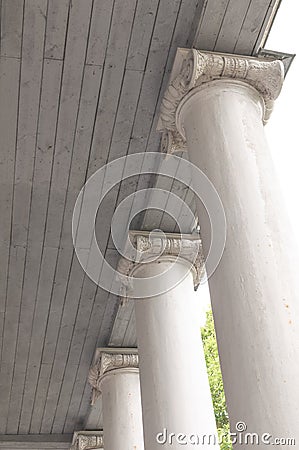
x=115, y=376
x=176, y=400
x=218, y=112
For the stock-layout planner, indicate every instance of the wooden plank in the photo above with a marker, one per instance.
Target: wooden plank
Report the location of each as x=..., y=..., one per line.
x=144, y=22
x=121, y=322
x=130, y=338
x=99, y=31
x=9, y=82
x=90, y=344
x=79, y=353
x=11, y=28
x=179, y=37
x=196, y=23
x=56, y=308
x=24, y=330
x=64, y=398
x=31, y=74
x=49, y=105
x=41, y=181
x=57, y=21
x=40, y=397
x=122, y=19
x=71, y=420
x=14, y=290
x=125, y=114
x=211, y=23
x=69, y=316
x=40, y=442
x=94, y=416
x=87, y=107
x=231, y=26
x=77, y=341
x=256, y=16
x=32, y=54
x=159, y=49
x=48, y=266
x=83, y=138
x=266, y=26
x=75, y=56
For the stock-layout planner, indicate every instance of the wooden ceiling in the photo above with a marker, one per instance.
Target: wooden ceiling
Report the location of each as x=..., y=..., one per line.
x=80, y=85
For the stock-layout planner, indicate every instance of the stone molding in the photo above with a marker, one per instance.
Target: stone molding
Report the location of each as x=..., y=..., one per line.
x=107, y=360
x=87, y=440
x=193, y=68
x=150, y=246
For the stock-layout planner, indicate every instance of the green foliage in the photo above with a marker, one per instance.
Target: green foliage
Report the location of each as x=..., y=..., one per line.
x=215, y=380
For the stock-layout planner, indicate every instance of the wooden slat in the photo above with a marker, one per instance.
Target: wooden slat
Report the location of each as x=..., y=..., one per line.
x=158, y=52
x=256, y=18
x=84, y=340
x=40, y=442
x=63, y=342
x=175, y=33
x=123, y=15
x=99, y=32
x=52, y=331
x=82, y=142
x=41, y=312
x=14, y=289
x=90, y=343
x=42, y=173
x=9, y=83
x=45, y=144
x=231, y=25
x=141, y=35
x=121, y=322
x=75, y=56
x=130, y=338
x=31, y=74
x=57, y=21
x=94, y=416
x=11, y=28
x=77, y=340
x=211, y=23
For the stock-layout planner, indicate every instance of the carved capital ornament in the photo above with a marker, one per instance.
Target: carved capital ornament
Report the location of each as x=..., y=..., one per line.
x=87, y=440
x=109, y=360
x=194, y=68
x=148, y=247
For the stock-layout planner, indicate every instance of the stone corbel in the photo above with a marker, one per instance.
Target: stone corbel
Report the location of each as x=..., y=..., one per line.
x=193, y=68
x=107, y=360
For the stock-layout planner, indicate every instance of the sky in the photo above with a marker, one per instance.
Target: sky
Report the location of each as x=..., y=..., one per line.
x=283, y=127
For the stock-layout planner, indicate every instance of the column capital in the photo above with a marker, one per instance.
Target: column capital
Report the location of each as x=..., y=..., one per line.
x=147, y=247
x=108, y=360
x=88, y=440
x=193, y=68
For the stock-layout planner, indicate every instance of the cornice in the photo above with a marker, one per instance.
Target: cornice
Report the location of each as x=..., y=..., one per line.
x=107, y=360
x=193, y=68
x=143, y=247
x=87, y=440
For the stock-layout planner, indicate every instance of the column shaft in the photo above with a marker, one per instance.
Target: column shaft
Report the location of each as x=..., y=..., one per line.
x=115, y=376
x=176, y=399
x=122, y=410
x=255, y=289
